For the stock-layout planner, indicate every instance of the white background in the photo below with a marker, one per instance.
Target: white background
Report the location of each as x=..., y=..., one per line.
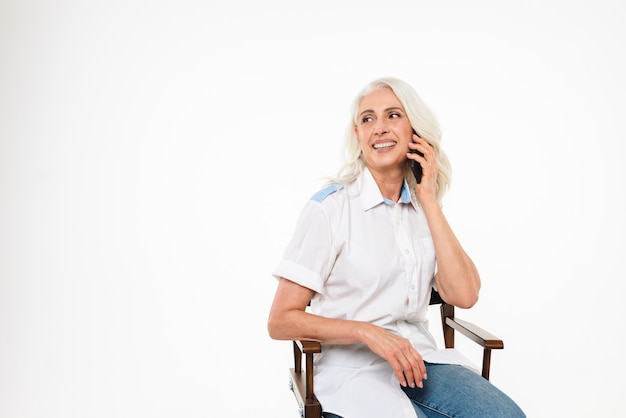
x=155, y=155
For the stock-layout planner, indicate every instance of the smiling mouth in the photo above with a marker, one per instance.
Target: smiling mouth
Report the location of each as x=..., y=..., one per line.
x=384, y=145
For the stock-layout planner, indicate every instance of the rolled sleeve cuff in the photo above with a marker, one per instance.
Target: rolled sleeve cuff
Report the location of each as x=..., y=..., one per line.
x=299, y=274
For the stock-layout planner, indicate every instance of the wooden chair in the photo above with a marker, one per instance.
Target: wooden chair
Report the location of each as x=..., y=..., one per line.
x=302, y=380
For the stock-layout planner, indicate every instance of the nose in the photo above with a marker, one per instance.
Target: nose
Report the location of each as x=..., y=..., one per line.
x=381, y=127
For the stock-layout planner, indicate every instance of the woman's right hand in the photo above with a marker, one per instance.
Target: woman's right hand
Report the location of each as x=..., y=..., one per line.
x=405, y=360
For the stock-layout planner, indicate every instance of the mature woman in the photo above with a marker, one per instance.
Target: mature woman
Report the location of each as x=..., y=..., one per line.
x=366, y=253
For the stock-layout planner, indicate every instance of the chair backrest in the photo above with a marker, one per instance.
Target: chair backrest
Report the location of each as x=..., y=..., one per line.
x=435, y=299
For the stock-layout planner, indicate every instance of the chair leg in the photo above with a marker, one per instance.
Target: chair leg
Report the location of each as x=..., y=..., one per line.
x=312, y=410
x=486, y=362
x=302, y=380
x=309, y=377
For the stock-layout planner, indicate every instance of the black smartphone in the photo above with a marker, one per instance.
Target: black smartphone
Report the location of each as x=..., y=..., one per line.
x=416, y=167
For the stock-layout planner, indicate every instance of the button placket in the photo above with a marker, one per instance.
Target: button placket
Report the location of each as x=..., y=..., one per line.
x=410, y=263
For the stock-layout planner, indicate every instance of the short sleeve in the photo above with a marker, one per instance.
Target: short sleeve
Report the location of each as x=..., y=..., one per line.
x=309, y=255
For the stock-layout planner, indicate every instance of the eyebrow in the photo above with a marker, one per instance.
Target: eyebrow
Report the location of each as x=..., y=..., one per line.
x=389, y=109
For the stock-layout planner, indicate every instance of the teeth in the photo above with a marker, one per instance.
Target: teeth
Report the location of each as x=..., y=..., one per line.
x=384, y=145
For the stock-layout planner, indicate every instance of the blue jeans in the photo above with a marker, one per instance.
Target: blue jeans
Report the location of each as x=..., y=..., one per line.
x=455, y=391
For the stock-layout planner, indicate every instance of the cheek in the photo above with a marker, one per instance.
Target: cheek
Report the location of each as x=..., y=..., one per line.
x=362, y=133
x=362, y=138
x=404, y=129
x=359, y=134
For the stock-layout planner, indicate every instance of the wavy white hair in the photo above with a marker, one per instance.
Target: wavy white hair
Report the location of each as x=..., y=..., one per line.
x=422, y=120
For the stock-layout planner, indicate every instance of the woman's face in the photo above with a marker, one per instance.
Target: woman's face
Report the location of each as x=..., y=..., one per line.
x=383, y=130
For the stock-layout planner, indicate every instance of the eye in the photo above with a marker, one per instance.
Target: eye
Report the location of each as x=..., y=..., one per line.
x=366, y=119
x=395, y=115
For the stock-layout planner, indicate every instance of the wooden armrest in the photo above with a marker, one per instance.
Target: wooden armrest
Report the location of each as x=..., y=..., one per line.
x=478, y=335
x=475, y=333
x=307, y=346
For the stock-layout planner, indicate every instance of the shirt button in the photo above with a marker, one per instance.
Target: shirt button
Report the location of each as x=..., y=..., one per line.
x=412, y=287
x=406, y=251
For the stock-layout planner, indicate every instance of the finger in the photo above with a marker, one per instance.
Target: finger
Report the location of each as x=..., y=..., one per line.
x=418, y=374
x=400, y=374
x=411, y=370
x=414, y=377
x=421, y=366
x=418, y=369
x=405, y=372
x=421, y=141
x=414, y=147
x=415, y=153
x=411, y=377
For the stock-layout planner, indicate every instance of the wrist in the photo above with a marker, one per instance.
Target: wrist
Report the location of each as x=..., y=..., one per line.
x=429, y=201
x=361, y=332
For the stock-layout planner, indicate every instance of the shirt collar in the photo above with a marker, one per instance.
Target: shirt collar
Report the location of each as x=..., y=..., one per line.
x=371, y=195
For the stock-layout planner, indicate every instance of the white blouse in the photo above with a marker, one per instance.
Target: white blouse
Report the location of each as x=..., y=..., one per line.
x=368, y=259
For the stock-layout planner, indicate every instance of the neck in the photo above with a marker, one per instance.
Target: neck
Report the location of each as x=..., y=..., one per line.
x=390, y=184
